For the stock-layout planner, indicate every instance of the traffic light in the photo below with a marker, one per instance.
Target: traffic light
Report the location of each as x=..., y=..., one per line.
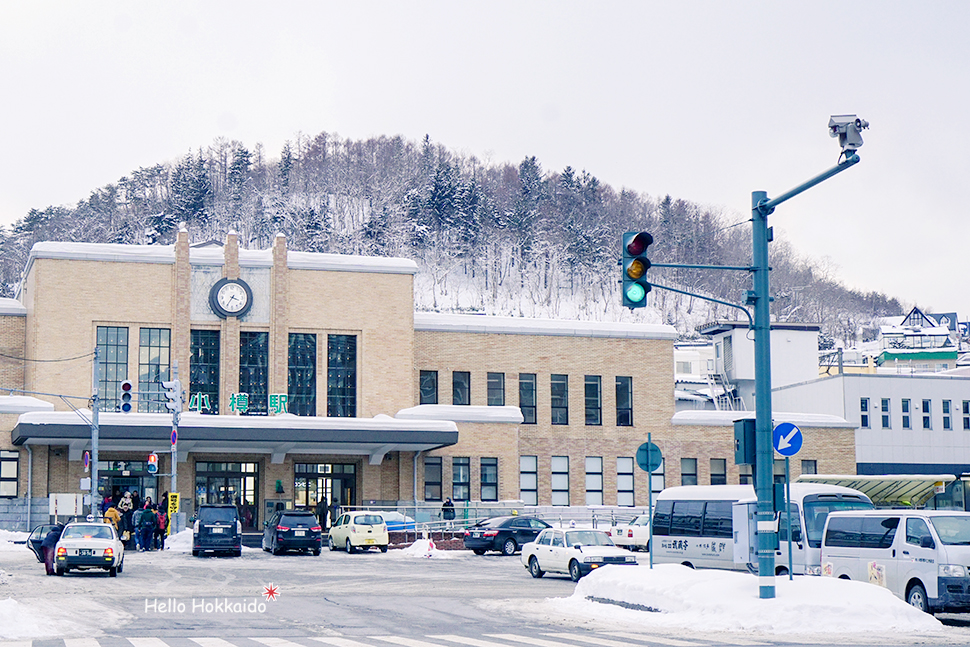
x=173, y=395
x=152, y=463
x=635, y=265
x=127, y=396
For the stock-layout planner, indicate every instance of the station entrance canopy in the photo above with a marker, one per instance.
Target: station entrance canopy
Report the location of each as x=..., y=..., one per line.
x=892, y=490
x=275, y=435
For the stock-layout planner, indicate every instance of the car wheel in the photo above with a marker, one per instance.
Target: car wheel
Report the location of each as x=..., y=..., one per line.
x=195, y=553
x=509, y=547
x=534, y=568
x=316, y=551
x=113, y=571
x=479, y=551
x=350, y=547
x=574, y=571
x=383, y=549
x=332, y=546
x=917, y=598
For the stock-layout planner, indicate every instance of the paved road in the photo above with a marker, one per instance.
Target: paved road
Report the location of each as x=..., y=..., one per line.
x=175, y=600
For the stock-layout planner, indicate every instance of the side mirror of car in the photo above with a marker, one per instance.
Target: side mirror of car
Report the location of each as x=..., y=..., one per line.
x=926, y=542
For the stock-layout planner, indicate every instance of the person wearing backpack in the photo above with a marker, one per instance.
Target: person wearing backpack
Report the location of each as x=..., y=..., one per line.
x=161, y=528
x=147, y=525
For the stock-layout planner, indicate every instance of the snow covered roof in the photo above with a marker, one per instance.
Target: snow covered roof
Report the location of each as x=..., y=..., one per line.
x=23, y=404
x=727, y=418
x=441, y=322
x=214, y=255
x=10, y=306
x=461, y=413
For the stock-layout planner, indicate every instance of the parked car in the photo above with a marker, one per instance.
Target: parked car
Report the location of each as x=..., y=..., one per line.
x=633, y=536
x=576, y=552
x=36, y=538
x=504, y=534
x=359, y=530
x=217, y=529
x=397, y=522
x=89, y=545
x=292, y=530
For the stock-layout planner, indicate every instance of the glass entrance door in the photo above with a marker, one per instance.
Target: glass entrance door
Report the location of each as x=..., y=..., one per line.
x=235, y=483
x=317, y=486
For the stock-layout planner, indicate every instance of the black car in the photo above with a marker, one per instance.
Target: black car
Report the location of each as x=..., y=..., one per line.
x=36, y=538
x=217, y=529
x=504, y=534
x=292, y=530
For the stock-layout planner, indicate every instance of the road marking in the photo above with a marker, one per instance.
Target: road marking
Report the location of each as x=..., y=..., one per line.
x=592, y=640
x=341, y=642
x=272, y=641
x=474, y=642
x=538, y=642
x=81, y=642
x=209, y=642
x=407, y=642
x=147, y=642
x=16, y=643
x=673, y=642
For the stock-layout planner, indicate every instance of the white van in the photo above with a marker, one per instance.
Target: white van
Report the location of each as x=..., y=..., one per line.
x=922, y=556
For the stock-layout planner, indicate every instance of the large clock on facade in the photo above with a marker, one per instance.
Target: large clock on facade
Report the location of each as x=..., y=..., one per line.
x=230, y=298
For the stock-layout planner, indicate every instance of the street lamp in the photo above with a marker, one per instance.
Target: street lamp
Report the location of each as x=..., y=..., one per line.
x=848, y=129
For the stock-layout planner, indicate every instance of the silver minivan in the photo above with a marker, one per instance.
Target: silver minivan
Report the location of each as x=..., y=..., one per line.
x=922, y=556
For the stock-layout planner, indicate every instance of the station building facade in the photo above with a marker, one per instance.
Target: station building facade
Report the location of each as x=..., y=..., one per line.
x=309, y=378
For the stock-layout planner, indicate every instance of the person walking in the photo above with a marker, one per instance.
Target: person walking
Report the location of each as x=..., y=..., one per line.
x=126, y=507
x=147, y=527
x=334, y=511
x=161, y=528
x=49, y=545
x=112, y=516
x=136, y=527
x=448, y=510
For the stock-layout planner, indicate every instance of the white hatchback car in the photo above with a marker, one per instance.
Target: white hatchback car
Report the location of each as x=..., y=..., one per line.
x=361, y=529
x=576, y=552
x=633, y=536
x=88, y=545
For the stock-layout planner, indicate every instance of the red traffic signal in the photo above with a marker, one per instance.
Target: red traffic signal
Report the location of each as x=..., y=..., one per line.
x=152, y=463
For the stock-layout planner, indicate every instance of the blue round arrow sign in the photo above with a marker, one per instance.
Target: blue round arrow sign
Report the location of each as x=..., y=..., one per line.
x=786, y=439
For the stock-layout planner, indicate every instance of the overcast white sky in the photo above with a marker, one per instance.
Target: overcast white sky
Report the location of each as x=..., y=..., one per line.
x=706, y=101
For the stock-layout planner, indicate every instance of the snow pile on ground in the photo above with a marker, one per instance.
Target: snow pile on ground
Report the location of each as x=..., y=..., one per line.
x=179, y=542
x=8, y=537
x=19, y=620
x=675, y=596
x=424, y=548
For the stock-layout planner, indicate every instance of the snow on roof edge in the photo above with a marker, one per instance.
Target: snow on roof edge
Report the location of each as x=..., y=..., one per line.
x=487, y=324
x=711, y=418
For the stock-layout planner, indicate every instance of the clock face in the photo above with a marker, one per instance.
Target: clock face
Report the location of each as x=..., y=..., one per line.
x=230, y=298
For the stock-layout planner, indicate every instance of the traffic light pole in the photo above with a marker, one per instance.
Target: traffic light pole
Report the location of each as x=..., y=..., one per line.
x=95, y=435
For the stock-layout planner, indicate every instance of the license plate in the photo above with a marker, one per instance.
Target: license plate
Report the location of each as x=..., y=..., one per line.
x=368, y=541
x=217, y=530
x=476, y=534
x=299, y=533
x=85, y=552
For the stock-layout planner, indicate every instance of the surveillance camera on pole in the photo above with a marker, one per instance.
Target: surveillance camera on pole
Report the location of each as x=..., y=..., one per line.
x=848, y=128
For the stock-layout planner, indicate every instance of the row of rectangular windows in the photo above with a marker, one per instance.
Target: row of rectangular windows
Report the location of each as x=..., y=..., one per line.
x=528, y=395
x=154, y=364
x=926, y=414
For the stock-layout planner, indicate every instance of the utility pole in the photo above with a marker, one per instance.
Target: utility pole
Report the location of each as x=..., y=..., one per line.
x=95, y=433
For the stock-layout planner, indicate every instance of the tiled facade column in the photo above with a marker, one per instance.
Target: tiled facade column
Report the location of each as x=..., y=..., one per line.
x=229, y=345
x=278, y=321
x=182, y=308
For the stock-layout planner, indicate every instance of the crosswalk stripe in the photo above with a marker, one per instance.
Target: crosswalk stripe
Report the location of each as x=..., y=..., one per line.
x=209, y=642
x=474, y=642
x=272, y=641
x=673, y=642
x=340, y=642
x=538, y=642
x=592, y=640
x=147, y=642
x=407, y=642
x=16, y=643
x=81, y=642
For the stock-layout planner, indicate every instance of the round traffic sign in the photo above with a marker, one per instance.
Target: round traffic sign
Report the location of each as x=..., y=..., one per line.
x=649, y=457
x=175, y=436
x=786, y=439
x=87, y=459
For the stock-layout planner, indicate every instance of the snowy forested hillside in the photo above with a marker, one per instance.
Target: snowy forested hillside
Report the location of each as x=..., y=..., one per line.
x=488, y=237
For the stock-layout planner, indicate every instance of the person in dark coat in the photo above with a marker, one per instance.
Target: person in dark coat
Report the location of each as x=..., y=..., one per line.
x=334, y=511
x=448, y=510
x=49, y=545
x=321, y=512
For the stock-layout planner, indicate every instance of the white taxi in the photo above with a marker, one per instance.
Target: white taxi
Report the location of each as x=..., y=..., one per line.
x=576, y=552
x=89, y=545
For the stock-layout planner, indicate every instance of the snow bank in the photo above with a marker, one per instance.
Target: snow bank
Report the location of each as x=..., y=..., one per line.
x=7, y=538
x=681, y=597
x=180, y=542
x=19, y=620
x=425, y=548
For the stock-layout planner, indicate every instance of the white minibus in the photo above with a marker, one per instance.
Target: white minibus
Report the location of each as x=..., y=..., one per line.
x=714, y=526
x=919, y=555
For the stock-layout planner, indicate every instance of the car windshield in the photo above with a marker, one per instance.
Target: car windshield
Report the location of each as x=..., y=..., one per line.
x=368, y=520
x=642, y=520
x=492, y=523
x=953, y=530
x=218, y=515
x=298, y=520
x=587, y=538
x=86, y=532
x=816, y=512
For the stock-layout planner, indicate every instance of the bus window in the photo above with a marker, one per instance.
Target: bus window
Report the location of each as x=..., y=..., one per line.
x=685, y=520
x=844, y=532
x=661, y=518
x=717, y=519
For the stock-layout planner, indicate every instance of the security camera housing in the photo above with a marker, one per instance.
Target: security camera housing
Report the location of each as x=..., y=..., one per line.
x=848, y=128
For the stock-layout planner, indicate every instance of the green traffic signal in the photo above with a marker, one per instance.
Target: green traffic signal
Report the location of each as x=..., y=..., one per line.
x=635, y=265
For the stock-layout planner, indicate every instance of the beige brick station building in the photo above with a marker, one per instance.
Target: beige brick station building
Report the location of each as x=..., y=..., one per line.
x=310, y=378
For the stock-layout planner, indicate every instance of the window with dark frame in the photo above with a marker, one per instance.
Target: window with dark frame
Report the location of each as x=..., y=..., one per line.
x=688, y=471
x=966, y=414
x=461, y=478
x=927, y=415
x=594, y=480
x=9, y=473
x=718, y=471
x=906, y=421
x=461, y=388
x=204, y=372
x=495, y=383
x=489, y=472
x=527, y=398
x=113, y=362
x=947, y=424
x=559, y=399
x=428, y=387
x=745, y=475
x=624, y=401
x=254, y=371
x=342, y=376
x=809, y=467
x=594, y=400
x=864, y=411
x=560, y=480
x=529, y=479
x=432, y=478
x=302, y=379
x=884, y=405
x=154, y=361
x=624, y=481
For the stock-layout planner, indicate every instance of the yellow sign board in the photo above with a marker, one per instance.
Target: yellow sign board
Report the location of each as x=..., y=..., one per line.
x=173, y=502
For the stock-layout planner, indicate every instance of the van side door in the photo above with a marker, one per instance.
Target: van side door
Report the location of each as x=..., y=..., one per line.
x=919, y=557
x=881, y=550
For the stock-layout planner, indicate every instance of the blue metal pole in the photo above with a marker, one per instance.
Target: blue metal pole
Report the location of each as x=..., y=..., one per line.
x=762, y=363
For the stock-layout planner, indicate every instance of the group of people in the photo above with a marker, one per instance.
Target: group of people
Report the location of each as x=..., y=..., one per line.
x=143, y=522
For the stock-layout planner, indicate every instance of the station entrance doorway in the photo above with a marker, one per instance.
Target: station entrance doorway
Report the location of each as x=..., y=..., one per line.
x=327, y=483
x=236, y=483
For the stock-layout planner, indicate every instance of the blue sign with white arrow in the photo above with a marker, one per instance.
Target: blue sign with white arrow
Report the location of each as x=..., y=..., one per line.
x=787, y=439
